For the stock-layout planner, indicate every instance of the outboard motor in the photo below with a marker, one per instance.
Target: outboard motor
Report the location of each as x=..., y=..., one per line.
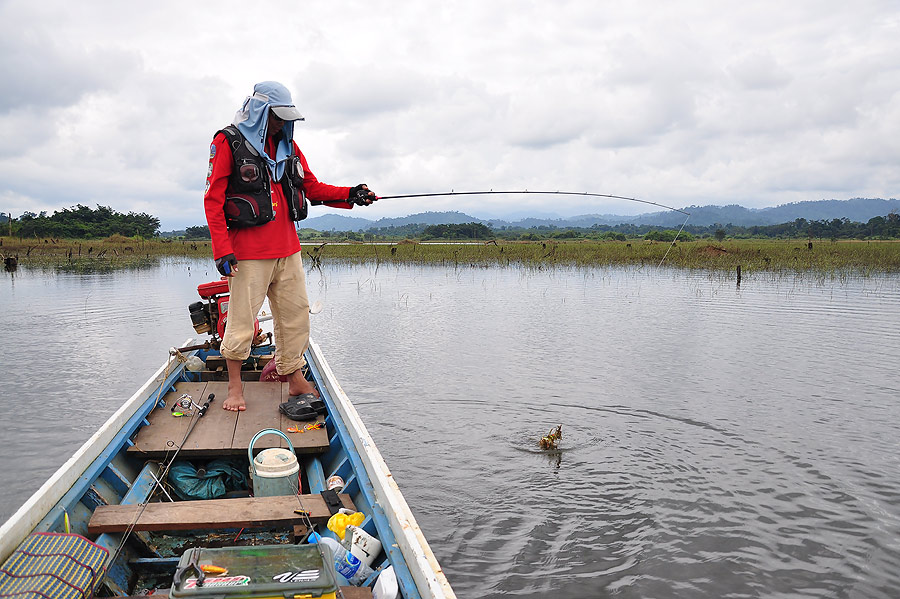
x=211, y=314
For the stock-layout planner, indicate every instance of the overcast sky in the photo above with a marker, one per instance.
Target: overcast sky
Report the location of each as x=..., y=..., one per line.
x=680, y=103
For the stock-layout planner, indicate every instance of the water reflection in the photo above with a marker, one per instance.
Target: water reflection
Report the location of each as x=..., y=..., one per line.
x=718, y=440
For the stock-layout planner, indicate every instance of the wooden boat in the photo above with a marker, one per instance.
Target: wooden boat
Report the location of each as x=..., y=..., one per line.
x=111, y=495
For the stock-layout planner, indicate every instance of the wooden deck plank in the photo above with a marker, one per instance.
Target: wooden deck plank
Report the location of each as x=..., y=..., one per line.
x=211, y=514
x=262, y=400
x=215, y=431
x=222, y=433
x=164, y=428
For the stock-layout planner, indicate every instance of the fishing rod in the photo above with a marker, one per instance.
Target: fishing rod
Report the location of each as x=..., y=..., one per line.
x=527, y=191
x=201, y=412
x=557, y=193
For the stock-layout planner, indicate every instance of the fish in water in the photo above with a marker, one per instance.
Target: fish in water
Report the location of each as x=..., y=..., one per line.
x=551, y=440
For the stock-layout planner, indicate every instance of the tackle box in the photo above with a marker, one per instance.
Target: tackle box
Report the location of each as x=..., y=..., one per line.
x=260, y=572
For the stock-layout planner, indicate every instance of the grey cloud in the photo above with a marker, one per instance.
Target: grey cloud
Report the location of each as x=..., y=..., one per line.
x=331, y=93
x=37, y=72
x=548, y=118
x=758, y=71
x=685, y=102
x=20, y=124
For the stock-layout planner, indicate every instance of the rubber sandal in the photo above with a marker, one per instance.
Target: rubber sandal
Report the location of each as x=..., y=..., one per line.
x=317, y=403
x=298, y=408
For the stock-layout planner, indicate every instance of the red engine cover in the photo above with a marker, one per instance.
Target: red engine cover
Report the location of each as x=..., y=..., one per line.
x=219, y=291
x=207, y=290
x=223, y=314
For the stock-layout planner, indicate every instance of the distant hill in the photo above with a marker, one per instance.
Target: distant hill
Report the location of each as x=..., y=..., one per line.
x=338, y=222
x=856, y=210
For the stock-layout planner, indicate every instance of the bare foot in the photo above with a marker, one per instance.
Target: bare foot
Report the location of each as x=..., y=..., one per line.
x=298, y=385
x=234, y=403
x=235, y=400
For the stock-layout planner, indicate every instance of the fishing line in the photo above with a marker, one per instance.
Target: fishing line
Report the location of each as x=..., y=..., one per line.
x=560, y=193
x=671, y=245
x=158, y=481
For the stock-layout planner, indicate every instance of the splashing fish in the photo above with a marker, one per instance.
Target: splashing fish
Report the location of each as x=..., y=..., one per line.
x=551, y=440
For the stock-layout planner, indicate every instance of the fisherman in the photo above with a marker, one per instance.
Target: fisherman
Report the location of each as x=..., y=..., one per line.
x=257, y=184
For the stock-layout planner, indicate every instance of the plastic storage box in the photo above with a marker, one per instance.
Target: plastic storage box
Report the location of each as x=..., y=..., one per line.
x=263, y=571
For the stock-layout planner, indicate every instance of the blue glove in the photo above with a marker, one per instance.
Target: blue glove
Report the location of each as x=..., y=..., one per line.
x=226, y=264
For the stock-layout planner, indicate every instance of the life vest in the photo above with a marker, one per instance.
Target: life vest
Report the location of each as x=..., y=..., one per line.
x=248, y=197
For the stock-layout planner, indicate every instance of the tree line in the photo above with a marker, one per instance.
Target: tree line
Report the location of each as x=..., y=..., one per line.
x=82, y=222
x=879, y=227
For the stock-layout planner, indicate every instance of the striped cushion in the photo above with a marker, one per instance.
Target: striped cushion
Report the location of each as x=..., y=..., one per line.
x=53, y=565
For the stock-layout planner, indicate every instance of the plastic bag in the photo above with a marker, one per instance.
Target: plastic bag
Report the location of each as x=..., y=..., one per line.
x=219, y=477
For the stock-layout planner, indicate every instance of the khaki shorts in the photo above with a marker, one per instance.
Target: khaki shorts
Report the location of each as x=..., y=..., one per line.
x=284, y=282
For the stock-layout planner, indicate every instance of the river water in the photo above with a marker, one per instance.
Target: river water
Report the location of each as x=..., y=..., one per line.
x=718, y=441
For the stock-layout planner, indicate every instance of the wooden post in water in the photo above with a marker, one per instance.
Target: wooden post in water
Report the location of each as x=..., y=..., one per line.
x=738, y=275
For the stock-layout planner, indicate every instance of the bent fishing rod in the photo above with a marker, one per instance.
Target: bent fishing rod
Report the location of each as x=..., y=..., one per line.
x=528, y=191
x=558, y=193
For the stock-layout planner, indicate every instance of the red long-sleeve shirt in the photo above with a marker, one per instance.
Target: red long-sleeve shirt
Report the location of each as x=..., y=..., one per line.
x=276, y=238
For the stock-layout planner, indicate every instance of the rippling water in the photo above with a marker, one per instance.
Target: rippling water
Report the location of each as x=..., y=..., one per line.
x=718, y=442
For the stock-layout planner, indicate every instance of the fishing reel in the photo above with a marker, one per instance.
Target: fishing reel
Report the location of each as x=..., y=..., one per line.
x=183, y=406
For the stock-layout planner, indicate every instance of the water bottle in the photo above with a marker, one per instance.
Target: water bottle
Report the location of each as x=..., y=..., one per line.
x=345, y=563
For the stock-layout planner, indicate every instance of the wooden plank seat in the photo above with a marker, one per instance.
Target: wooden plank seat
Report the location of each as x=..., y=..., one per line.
x=212, y=514
x=222, y=433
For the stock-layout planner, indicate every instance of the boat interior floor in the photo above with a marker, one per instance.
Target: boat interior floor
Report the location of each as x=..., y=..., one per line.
x=221, y=432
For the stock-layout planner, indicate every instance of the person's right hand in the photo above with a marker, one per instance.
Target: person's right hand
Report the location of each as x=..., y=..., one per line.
x=226, y=265
x=361, y=195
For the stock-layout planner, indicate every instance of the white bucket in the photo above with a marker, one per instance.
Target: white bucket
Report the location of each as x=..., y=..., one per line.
x=274, y=471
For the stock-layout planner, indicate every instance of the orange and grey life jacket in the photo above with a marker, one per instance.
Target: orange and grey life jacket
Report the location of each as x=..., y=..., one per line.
x=248, y=197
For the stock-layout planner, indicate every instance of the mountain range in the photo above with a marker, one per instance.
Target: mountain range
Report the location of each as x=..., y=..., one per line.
x=856, y=210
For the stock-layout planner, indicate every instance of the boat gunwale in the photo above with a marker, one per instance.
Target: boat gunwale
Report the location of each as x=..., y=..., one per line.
x=428, y=574
x=61, y=482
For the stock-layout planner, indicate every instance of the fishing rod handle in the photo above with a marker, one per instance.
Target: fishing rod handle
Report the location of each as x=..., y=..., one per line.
x=205, y=407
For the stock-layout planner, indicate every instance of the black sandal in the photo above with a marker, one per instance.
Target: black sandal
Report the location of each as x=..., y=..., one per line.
x=317, y=403
x=298, y=407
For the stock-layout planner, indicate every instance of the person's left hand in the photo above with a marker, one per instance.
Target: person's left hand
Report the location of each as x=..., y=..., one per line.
x=361, y=195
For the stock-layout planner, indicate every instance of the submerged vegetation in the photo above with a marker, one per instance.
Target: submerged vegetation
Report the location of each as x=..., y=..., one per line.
x=727, y=255
x=751, y=255
x=88, y=255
